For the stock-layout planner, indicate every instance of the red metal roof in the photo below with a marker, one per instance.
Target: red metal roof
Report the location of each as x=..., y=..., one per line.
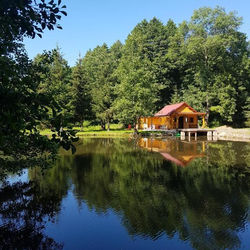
x=169, y=109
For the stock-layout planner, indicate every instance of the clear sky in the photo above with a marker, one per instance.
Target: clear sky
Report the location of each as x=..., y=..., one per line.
x=93, y=22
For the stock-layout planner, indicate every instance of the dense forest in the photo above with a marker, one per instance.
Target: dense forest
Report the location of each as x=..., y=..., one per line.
x=203, y=61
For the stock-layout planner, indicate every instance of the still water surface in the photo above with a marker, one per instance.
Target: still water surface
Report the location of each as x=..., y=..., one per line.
x=122, y=194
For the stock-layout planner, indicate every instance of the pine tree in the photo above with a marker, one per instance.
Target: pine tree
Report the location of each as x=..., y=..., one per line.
x=81, y=101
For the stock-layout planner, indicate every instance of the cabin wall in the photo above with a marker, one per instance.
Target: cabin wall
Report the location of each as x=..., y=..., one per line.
x=189, y=121
x=154, y=122
x=168, y=122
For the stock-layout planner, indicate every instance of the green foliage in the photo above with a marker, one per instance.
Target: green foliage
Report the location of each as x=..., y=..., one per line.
x=216, y=79
x=137, y=92
x=22, y=105
x=81, y=94
x=149, y=42
x=204, y=62
x=55, y=75
x=28, y=18
x=99, y=66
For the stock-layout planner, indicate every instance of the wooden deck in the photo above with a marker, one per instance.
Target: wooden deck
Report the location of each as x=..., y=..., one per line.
x=196, y=130
x=210, y=133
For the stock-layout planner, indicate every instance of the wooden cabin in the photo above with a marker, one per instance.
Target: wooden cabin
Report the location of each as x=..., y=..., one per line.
x=174, y=116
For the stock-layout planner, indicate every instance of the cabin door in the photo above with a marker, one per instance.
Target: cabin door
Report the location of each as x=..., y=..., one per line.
x=181, y=122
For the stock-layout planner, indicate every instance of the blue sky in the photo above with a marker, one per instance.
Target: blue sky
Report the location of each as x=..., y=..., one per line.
x=92, y=22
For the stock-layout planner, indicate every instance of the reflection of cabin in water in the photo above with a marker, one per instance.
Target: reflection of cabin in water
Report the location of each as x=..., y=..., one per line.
x=175, y=116
x=179, y=152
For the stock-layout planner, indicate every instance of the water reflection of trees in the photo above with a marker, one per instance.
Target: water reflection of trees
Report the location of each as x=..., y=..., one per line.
x=23, y=214
x=205, y=203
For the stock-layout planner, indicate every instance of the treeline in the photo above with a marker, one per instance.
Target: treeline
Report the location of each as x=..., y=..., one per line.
x=204, y=62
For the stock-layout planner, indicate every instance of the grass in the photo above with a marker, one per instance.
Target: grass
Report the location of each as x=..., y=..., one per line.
x=115, y=130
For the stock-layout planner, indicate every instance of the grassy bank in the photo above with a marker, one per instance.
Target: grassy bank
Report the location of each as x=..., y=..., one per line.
x=116, y=130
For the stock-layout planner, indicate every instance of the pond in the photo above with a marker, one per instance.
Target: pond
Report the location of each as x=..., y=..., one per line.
x=124, y=194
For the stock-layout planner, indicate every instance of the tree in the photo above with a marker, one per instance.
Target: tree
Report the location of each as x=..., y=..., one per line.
x=81, y=94
x=22, y=107
x=142, y=72
x=138, y=90
x=99, y=66
x=28, y=18
x=214, y=52
x=55, y=75
x=150, y=41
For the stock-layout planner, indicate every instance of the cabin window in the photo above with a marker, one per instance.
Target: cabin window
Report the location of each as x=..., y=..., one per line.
x=191, y=120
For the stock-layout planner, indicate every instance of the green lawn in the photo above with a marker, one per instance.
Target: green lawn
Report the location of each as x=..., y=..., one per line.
x=115, y=130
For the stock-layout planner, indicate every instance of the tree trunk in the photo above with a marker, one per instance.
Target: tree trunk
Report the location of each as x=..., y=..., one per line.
x=135, y=129
x=207, y=110
x=108, y=125
x=103, y=125
x=81, y=129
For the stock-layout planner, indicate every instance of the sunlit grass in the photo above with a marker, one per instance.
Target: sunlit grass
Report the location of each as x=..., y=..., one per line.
x=96, y=130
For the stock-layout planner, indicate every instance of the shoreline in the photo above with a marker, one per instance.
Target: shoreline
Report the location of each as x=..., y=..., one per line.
x=224, y=134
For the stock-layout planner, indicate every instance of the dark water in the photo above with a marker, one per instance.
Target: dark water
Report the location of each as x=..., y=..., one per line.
x=121, y=194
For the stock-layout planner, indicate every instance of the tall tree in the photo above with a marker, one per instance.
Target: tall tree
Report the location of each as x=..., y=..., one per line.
x=55, y=82
x=21, y=106
x=138, y=90
x=81, y=94
x=150, y=40
x=99, y=66
x=214, y=51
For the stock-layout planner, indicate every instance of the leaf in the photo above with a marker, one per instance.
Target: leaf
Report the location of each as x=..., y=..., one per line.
x=56, y=10
x=66, y=145
x=59, y=2
x=64, y=13
x=75, y=139
x=43, y=26
x=73, y=149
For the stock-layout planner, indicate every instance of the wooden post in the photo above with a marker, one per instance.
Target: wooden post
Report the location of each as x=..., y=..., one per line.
x=209, y=135
x=189, y=136
x=215, y=135
x=203, y=122
x=195, y=136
